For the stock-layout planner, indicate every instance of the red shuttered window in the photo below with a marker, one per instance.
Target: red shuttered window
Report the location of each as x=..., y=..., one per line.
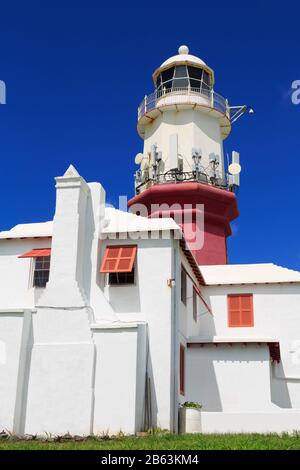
x=118, y=259
x=182, y=369
x=240, y=310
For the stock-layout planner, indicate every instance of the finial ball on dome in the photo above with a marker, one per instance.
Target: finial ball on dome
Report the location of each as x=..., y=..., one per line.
x=183, y=50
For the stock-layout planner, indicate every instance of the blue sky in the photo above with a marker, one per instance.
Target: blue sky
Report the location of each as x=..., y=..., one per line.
x=76, y=71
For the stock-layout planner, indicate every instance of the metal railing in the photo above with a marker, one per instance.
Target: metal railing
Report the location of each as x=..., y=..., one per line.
x=177, y=176
x=183, y=96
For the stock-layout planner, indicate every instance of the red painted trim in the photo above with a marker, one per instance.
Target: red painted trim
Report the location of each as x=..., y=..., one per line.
x=220, y=207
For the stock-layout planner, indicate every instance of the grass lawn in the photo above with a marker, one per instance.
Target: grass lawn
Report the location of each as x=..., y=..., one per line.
x=165, y=442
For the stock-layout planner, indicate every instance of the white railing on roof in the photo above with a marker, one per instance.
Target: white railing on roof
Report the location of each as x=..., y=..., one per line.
x=184, y=96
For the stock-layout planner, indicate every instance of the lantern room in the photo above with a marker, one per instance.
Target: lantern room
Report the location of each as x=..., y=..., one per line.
x=183, y=71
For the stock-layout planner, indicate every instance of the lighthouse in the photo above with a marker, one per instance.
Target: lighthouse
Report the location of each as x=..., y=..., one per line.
x=182, y=171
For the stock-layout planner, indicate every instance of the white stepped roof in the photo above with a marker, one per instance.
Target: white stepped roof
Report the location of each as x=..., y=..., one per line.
x=42, y=229
x=248, y=274
x=115, y=221
x=120, y=221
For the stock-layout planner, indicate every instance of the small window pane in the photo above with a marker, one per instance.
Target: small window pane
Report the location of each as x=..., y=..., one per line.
x=195, y=73
x=115, y=279
x=195, y=84
x=167, y=74
x=205, y=89
x=180, y=71
x=180, y=83
x=206, y=77
x=167, y=85
x=158, y=81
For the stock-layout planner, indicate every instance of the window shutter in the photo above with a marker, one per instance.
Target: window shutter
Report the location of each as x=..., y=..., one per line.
x=36, y=253
x=240, y=310
x=118, y=259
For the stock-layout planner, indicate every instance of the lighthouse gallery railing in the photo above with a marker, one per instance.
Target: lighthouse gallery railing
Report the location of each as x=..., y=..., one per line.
x=184, y=95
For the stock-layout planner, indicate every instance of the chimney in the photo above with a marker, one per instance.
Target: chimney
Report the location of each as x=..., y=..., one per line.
x=65, y=288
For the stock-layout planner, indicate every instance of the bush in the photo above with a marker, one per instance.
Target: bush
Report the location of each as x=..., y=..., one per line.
x=191, y=404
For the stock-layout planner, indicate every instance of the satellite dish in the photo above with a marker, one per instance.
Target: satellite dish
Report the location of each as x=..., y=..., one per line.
x=138, y=159
x=234, y=168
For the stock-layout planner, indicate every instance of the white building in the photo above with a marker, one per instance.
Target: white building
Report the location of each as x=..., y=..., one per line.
x=109, y=322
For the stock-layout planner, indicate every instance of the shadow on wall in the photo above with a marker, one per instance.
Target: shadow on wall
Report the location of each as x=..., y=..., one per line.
x=202, y=386
x=151, y=409
x=87, y=254
x=125, y=298
x=229, y=377
x=23, y=381
x=279, y=388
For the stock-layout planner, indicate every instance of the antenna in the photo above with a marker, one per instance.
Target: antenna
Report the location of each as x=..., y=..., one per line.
x=153, y=154
x=234, y=170
x=173, y=152
x=196, y=156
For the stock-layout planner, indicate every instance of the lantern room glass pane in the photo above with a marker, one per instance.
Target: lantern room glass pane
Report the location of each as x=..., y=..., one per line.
x=206, y=77
x=168, y=85
x=195, y=84
x=180, y=82
x=167, y=74
x=194, y=72
x=180, y=71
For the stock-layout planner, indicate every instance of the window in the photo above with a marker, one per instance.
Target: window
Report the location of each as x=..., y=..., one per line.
x=121, y=278
x=183, y=76
x=182, y=370
x=183, y=286
x=194, y=72
x=195, y=295
x=41, y=257
x=240, y=310
x=180, y=71
x=118, y=262
x=41, y=271
x=167, y=75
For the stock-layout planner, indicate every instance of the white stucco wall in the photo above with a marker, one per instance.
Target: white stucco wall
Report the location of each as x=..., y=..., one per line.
x=120, y=379
x=276, y=316
x=194, y=129
x=11, y=324
x=73, y=376
x=229, y=378
x=16, y=289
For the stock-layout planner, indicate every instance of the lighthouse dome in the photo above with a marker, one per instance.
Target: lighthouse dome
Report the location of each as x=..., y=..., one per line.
x=183, y=58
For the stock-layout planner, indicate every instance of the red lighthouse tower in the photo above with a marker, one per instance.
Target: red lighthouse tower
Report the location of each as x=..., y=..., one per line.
x=182, y=173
